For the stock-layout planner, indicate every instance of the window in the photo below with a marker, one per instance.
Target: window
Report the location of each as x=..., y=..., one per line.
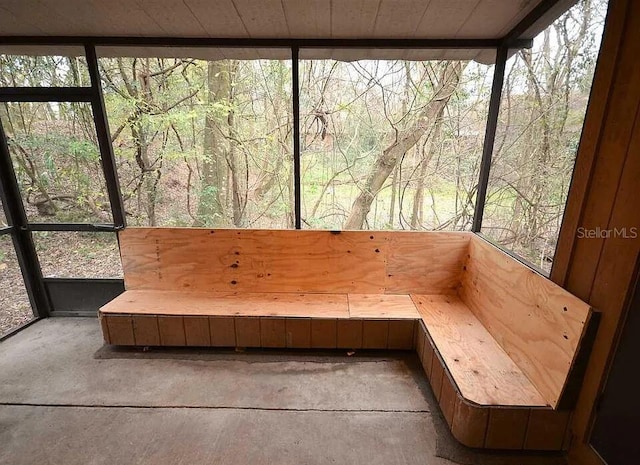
x=93, y=255
x=56, y=158
x=544, y=100
x=202, y=141
x=15, y=309
x=392, y=144
x=31, y=67
x=389, y=139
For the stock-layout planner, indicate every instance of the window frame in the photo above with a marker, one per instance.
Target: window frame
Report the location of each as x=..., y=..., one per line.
x=20, y=228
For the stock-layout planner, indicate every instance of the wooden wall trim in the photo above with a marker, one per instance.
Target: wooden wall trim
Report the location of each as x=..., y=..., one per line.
x=603, y=195
x=597, y=109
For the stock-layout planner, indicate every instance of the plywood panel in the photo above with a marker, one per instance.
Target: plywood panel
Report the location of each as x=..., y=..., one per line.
x=537, y=323
x=421, y=262
x=382, y=306
x=229, y=304
x=292, y=261
x=253, y=260
x=482, y=370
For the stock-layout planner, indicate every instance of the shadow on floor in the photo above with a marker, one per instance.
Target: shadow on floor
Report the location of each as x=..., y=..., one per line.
x=446, y=445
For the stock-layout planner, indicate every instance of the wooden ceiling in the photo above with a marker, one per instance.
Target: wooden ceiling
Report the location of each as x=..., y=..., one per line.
x=283, y=19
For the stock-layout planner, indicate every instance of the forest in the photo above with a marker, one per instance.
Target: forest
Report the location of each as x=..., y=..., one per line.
x=385, y=144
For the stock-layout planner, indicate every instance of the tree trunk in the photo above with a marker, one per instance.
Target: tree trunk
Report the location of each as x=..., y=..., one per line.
x=405, y=140
x=238, y=197
x=214, y=171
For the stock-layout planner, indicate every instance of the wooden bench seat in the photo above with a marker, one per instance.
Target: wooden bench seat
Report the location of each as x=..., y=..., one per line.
x=230, y=304
x=482, y=370
x=502, y=347
x=263, y=304
x=324, y=321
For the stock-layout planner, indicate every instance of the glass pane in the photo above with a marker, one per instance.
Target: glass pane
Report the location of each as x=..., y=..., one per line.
x=78, y=254
x=543, y=105
x=15, y=308
x=24, y=66
x=202, y=142
x=57, y=161
x=392, y=144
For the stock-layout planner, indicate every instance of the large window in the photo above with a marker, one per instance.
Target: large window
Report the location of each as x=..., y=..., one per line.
x=92, y=255
x=204, y=137
x=203, y=142
x=30, y=66
x=15, y=309
x=55, y=174
x=56, y=158
x=391, y=144
x=544, y=100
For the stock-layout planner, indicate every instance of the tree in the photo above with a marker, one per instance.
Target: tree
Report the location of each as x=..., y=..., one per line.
x=405, y=140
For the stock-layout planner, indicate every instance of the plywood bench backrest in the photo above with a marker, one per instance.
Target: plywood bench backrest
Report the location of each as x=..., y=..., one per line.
x=292, y=261
x=540, y=325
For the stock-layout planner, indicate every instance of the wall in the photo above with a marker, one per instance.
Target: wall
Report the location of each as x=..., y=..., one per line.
x=603, y=197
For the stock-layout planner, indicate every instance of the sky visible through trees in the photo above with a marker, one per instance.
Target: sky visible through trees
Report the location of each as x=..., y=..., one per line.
x=385, y=144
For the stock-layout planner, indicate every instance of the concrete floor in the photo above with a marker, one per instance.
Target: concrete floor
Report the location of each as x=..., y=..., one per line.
x=64, y=400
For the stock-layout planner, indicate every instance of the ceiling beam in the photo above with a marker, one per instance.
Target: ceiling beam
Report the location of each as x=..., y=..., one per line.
x=262, y=43
x=541, y=9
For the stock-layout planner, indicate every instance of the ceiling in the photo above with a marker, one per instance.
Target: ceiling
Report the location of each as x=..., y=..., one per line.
x=283, y=19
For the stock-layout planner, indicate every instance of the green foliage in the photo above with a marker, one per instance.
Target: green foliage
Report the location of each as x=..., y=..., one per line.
x=188, y=154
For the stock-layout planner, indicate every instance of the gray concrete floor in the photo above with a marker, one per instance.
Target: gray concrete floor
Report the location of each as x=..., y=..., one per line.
x=65, y=400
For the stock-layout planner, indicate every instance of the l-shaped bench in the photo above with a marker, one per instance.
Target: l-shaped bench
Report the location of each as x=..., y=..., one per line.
x=503, y=347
